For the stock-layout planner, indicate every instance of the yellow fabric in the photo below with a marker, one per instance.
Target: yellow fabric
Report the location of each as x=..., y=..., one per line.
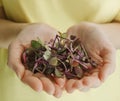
x=12, y=89
x=0, y=3
x=117, y=18
x=62, y=13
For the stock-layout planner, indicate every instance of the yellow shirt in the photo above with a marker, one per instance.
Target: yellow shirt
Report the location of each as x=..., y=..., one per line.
x=60, y=14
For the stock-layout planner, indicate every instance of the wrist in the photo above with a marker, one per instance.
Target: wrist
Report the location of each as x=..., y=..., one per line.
x=9, y=30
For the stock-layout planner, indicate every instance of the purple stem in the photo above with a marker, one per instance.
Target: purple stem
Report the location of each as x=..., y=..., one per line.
x=24, y=57
x=54, y=40
x=83, y=64
x=84, y=50
x=70, y=52
x=36, y=64
x=63, y=64
x=80, y=54
x=38, y=60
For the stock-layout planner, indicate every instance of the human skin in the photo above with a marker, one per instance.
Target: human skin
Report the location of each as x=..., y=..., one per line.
x=10, y=31
x=96, y=43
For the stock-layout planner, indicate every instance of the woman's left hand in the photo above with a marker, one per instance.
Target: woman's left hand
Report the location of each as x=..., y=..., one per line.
x=100, y=49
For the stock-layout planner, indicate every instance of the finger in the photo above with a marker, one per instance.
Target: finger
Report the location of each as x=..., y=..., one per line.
x=79, y=85
x=32, y=81
x=58, y=91
x=109, y=60
x=70, y=85
x=28, y=73
x=91, y=81
x=48, y=85
x=60, y=81
x=84, y=89
x=105, y=71
x=14, y=58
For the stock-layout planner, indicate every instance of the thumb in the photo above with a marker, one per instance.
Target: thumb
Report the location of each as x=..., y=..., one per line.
x=14, y=58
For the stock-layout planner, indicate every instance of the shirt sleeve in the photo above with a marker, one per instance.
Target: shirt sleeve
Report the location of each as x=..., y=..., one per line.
x=0, y=3
x=117, y=18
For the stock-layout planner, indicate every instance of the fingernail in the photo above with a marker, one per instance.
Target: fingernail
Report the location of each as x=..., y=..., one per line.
x=71, y=91
x=39, y=89
x=84, y=89
x=50, y=92
x=58, y=95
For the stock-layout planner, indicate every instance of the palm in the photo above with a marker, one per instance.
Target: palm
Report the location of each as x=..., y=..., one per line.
x=100, y=49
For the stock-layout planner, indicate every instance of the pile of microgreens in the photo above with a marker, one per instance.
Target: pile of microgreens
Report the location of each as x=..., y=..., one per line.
x=60, y=57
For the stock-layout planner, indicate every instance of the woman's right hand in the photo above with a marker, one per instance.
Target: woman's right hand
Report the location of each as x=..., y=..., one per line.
x=16, y=48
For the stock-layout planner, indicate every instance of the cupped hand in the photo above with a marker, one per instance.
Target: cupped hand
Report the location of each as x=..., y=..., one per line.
x=16, y=48
x=100, y=49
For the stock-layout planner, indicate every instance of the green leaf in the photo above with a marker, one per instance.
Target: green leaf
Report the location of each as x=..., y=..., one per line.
x=49, y=71
x=63, y=35
x=47, y=54
x=40, y=41
x=53, y=61
x=58, y=73
x=61, y=51
x=35, y=44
